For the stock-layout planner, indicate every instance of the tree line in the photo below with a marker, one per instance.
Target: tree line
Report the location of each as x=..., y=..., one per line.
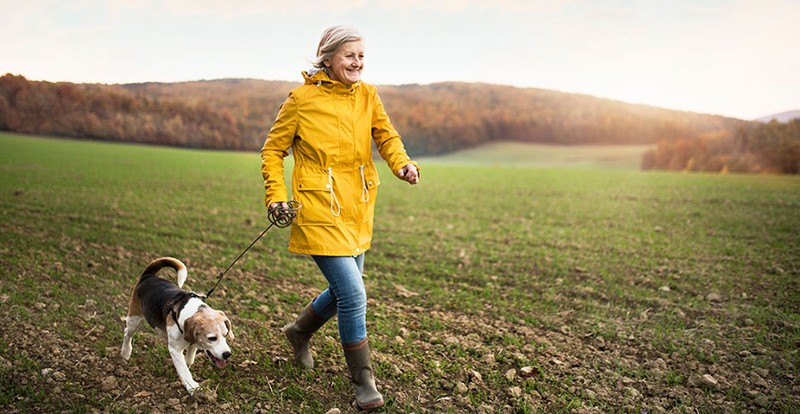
x=772, y=147
x=443, y=117
x=235, y=114
x=113, y=113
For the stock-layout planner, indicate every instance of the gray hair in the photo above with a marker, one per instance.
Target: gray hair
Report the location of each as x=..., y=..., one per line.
x=331, y=39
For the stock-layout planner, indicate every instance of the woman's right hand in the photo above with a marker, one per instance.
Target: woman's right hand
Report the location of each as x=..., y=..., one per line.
x=281, y=207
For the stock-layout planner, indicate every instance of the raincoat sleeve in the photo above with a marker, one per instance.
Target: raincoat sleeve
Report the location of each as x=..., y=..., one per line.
x=275, y=149
x=390, y=146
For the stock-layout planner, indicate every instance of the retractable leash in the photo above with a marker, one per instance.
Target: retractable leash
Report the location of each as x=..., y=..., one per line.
x=280, y=217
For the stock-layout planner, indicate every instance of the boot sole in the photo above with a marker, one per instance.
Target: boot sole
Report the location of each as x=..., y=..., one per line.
x=370, y=406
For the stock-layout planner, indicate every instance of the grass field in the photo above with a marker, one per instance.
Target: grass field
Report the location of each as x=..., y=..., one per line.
x=493, y=289
x=626, y=157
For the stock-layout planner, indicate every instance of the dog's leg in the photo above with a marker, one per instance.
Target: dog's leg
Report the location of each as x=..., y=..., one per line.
x=160, y=332
x=191, y=351
x=131, y=325
x=179, y=361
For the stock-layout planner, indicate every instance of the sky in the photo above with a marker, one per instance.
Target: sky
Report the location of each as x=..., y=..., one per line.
x=737, y=58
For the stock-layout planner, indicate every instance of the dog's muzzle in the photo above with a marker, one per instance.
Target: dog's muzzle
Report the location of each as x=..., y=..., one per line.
x=220, y=363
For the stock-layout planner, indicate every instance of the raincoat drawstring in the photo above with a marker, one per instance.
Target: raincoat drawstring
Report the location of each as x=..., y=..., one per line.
x=334, y=200
x=364, y=188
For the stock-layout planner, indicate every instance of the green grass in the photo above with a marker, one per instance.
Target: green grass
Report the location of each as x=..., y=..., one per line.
x=594, y=276
x=541, y=155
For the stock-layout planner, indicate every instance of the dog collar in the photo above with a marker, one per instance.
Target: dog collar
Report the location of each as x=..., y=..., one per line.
x=182, y=298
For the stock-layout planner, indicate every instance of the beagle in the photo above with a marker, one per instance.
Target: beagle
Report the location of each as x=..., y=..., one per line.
x=181, y=317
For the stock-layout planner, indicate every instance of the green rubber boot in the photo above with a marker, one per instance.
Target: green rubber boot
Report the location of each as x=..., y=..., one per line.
x=357, y=356
x=299, y=334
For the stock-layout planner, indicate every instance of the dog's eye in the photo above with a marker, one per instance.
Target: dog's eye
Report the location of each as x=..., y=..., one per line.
x=212, y=338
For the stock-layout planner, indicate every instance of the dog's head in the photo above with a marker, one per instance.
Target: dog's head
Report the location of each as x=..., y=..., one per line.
x=208, y=329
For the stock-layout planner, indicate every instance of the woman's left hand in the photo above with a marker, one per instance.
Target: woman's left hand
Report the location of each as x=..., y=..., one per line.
x=409, y=173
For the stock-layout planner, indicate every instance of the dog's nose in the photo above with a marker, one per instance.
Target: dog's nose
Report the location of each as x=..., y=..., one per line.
x=226, y=355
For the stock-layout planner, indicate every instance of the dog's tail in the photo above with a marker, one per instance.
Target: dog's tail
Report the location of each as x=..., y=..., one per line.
x=162, y=262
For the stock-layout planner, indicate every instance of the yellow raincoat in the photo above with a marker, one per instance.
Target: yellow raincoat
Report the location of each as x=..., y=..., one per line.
x=330, y=128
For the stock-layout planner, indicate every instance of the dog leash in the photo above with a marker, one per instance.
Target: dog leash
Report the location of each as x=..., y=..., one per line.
x=280, y=217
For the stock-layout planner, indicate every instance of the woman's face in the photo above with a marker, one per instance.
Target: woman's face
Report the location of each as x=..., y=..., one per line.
x=347, y=62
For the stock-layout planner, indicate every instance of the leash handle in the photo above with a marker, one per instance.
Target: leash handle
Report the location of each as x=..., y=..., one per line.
x=283, y=217
x=280, y=217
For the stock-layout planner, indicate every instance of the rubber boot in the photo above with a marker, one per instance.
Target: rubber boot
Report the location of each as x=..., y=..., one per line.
x=299, y=334
x=357, y=356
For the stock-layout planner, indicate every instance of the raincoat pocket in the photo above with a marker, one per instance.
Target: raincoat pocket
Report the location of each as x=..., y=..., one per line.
x=371, y=177
x=369, y=190
x=314, y=192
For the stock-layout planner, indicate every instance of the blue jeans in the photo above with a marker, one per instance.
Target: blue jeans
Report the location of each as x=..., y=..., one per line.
x=345, y=295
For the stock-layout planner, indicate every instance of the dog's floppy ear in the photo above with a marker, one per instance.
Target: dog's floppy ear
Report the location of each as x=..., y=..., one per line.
x=189, y=327
x=227, y=325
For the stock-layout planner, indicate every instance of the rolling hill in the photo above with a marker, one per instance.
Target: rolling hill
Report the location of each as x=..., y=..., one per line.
x=433, y=119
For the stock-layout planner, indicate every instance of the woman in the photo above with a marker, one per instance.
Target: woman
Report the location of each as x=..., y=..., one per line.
x=330, y=123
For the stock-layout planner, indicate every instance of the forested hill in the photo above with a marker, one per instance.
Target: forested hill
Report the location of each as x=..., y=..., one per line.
x=443, y=117
x=433, y=119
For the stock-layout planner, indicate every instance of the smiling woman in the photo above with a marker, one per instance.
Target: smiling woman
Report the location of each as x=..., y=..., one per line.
x=330, y=123
x=341, y=55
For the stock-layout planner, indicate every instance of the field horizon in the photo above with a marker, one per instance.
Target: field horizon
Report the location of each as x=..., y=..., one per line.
x=569, y=284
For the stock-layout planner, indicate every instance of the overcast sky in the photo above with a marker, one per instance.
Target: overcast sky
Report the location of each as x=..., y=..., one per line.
x=738, y=58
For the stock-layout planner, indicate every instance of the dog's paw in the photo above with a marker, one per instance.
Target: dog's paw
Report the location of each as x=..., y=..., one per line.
x=191, y=386
x=205, y=395
x=125, y=353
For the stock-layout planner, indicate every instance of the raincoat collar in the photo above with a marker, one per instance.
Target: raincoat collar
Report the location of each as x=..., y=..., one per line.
x=320, y=77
